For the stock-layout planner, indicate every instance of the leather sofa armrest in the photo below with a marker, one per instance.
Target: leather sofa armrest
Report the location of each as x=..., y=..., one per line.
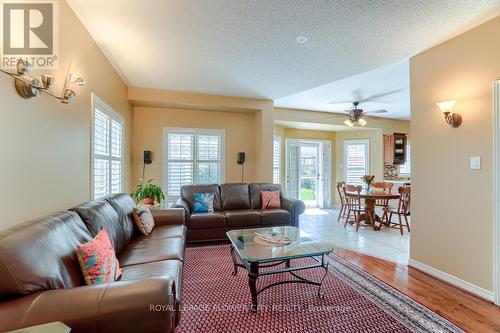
x=181, y=203
x=168, y=216
x=127, y=306
x=295, y=207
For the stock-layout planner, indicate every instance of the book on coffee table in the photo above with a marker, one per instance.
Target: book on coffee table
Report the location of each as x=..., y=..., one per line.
x=274, y=237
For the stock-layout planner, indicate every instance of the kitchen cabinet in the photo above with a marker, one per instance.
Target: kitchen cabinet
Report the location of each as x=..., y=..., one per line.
x=395, y=149
x=388, y=149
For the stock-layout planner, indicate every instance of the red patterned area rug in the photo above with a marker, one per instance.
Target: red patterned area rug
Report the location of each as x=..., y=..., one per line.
x=354, y=301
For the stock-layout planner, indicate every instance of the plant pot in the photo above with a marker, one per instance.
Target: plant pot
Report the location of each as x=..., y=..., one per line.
x=148, y=201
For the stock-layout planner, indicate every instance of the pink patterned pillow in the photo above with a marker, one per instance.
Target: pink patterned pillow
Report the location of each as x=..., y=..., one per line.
x=270, y=199
x=98, y=260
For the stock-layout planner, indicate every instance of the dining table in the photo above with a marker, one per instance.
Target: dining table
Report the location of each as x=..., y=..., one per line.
x=370, y=197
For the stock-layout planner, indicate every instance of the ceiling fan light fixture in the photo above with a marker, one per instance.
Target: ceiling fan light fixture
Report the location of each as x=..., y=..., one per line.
x=349, y=122
x=362, y=122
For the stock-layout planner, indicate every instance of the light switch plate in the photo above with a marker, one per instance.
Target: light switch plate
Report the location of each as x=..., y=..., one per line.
x=475, y=162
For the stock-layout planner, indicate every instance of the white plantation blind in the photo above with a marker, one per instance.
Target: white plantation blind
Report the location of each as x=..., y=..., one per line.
x=404, y=169
x=107, y=150
x=356, y=153
x=277, y=159
x=194, y=156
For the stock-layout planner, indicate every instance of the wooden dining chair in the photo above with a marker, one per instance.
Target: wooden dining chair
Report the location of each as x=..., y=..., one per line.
x=353, y=199
x=386, y=187
x=343, y=201
x=402, y=211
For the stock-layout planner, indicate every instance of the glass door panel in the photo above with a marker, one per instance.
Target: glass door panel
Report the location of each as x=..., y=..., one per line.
x=309, y=174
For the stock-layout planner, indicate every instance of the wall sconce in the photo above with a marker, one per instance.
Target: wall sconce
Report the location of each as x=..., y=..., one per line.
x=28, y=87
x=453, y=119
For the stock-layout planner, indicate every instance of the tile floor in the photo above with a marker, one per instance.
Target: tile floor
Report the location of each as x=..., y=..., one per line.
x=386, y=243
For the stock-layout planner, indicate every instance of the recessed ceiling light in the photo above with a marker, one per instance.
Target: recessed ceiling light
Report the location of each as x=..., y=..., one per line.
x=301, y=39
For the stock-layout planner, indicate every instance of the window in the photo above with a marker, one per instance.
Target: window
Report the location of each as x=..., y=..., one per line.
x=193, y=156
x=107, y=150
x=277, y=160
x=404, y=169
x=356, y=161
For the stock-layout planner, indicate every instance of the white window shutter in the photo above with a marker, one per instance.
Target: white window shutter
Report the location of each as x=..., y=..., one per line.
x=193, y=157
x=404, y=169
x=107, y=150
x=101, y=129
x=277, y=160
x=356, y=161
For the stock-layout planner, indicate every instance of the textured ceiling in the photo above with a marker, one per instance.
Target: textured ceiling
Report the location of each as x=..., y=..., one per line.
x=249, y=48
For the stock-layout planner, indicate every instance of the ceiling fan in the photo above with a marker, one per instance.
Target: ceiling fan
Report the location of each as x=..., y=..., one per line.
x=356, y=115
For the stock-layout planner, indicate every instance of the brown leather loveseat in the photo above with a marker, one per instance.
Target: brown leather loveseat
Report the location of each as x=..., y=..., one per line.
x=41, y=280
x=235, y=206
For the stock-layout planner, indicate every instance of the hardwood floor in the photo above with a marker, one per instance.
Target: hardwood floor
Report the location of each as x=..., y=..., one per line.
x=463, y=309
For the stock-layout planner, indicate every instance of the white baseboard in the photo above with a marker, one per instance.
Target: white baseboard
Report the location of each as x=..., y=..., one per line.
x=453, y=280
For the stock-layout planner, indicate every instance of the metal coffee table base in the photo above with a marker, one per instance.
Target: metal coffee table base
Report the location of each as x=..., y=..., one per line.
x=254, y=274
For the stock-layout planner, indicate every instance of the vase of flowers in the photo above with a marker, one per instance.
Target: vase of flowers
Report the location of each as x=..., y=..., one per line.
x=368, y=179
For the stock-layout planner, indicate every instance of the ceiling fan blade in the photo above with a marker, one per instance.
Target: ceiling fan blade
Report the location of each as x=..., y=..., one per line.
x=375, y=111
x=340, y=102
x=357, y=96
x=337, y=116
x=376, y=96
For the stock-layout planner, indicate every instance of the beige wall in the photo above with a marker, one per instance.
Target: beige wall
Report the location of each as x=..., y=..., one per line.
x=238, y=126
x=46, y=145
x=451, y=208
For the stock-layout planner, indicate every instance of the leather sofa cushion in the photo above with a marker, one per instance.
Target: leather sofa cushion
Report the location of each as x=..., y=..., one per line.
x=237, y=218
x=234, y=196
x=255, y=189
x=40, y=254
x=152, y=250
x=171, y=268
x=207, y=220
x=124, y=206
x=275, y=217
x=167, y=231
x=188, y=191
x=99, y=214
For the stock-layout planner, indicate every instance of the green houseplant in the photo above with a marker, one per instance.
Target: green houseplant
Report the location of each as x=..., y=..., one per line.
x=148, y=192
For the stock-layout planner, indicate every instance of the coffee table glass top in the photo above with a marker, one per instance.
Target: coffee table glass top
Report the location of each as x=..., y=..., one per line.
x=251, y=250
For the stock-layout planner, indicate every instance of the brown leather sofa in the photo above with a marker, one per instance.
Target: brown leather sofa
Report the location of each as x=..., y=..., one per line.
x=236, y=206
x=41, y=281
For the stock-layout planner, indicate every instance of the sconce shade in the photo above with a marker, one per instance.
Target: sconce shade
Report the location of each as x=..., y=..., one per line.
x=47, y=81
x=23, y=67
x=453, y=119
x=446, y=106
x=69, y=94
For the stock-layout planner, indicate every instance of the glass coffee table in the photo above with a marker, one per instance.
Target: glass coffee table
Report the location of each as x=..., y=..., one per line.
x=254, y=254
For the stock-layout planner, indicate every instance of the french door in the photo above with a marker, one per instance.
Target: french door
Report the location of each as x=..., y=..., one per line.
x=308, y=171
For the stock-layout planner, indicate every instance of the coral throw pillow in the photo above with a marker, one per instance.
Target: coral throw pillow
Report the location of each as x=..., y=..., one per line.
x=144, y=219
x=203, y=203
x=98, y=260
x=270, y=199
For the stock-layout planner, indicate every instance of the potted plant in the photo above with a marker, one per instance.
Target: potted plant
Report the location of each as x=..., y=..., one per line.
x=148, y=192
